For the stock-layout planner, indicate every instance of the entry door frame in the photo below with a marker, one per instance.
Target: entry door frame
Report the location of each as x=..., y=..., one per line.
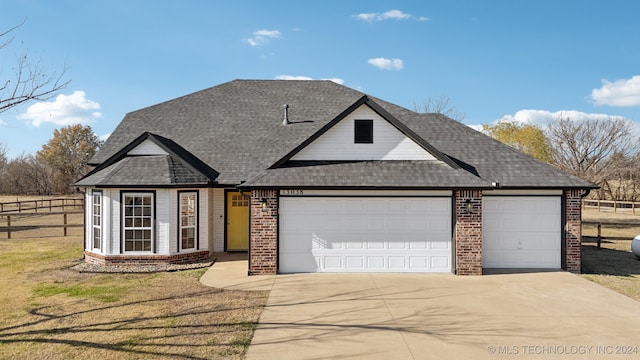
x=226, y=219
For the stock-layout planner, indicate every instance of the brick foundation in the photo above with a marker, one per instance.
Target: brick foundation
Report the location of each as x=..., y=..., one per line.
x=468, y=232
x=573, y=228
x=186, y=258
x=263, y=239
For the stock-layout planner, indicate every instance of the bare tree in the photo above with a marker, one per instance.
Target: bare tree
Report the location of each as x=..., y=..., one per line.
x=26, y=175
x=439, y=105
x=585, y=148
x=30, y=79
x=3, y=157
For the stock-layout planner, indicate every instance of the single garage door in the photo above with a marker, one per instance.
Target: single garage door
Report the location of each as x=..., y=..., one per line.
x=521, y=232
x=338, y=234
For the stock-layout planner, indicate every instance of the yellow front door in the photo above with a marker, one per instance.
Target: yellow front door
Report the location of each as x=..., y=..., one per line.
x=237, y=221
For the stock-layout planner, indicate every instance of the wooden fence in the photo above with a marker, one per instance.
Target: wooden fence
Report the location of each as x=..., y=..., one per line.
x=41, y=205
x=60, y=213
x=612, y=205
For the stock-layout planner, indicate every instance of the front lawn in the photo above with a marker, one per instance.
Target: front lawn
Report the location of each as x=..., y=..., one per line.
x=613, y=265
x=48, y=311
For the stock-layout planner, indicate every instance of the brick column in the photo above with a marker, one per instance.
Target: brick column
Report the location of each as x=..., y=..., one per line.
x=468, y=232
x=263, y=237
x=573, y=230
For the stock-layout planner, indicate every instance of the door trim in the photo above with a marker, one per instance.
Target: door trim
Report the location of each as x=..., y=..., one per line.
x=226, y=217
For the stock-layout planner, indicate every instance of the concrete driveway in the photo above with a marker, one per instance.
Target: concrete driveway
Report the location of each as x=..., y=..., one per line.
x=421, y=316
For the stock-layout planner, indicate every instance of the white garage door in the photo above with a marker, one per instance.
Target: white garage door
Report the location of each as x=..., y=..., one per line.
x=521, y=232
x=325, y=234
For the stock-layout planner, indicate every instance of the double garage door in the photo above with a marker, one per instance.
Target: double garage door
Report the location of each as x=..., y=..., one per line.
x=365, y=234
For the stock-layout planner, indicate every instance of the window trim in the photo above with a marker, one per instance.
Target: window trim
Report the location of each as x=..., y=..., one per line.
x=123, y=195
x=359, y=124
x=197, y=223
x=95, y=193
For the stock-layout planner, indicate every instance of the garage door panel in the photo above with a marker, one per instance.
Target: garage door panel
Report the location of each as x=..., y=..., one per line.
x=521, y=232
x=375, y=263
x=365, y=234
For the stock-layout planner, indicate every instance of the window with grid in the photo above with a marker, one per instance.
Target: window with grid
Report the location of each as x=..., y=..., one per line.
x=239, y=201
x=97, y=219
x=137, y=216
x=188, y=220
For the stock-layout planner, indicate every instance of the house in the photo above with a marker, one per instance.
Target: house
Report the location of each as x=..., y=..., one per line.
x=312, y=176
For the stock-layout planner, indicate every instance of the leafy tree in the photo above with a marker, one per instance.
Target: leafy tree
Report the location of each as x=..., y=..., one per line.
x=30, y=81
x=527, y=138
x=68, y=153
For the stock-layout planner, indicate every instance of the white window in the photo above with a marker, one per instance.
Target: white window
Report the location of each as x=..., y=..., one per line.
x=188, y=233
x=96, y=225
x=137, y=219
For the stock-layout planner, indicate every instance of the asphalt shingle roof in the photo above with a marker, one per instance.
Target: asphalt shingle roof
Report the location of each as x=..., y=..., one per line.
x=368, y=174
x=233, y=133
x=154, y=170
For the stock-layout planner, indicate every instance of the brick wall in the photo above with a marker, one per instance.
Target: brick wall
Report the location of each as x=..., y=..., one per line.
x=183, y=258
x=263, y=239
x=468, y=232
x=573, y=230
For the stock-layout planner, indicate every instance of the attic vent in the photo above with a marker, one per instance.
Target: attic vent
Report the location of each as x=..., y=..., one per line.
x=285, y=108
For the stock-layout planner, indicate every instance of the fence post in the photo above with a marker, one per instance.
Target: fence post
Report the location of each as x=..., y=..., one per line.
x=599, y=234
x=65, y=224
x=8, y=226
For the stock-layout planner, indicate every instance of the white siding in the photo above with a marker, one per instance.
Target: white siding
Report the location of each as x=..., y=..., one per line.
x=147, y=147
x=106, y=221
x=114, y=205
x=163, y=207
x=173, y=220
x=397, y=193
x=388, y=142
x=166, y=220
x=218, y=220
x=203, y=223
x=209, y=219
x=87, y=219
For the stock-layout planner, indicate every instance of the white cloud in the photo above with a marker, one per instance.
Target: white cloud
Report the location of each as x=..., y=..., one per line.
x=104, y=137
x=622, y=92
x=298, y=77
x=543, y=117
x=3, y=123
x=64, y=110
x=262, y=37
x=395, y=14
x=389, y=15
x=386, y=64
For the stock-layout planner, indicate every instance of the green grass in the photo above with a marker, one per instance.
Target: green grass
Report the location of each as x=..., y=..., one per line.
x=103, y=293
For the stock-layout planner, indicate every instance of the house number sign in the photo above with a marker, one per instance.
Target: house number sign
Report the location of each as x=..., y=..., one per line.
x=292, y=192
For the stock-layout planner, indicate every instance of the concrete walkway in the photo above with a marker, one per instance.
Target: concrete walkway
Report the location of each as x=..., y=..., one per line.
x=421, y=316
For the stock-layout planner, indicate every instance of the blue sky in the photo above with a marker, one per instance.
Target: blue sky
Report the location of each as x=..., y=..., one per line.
x=523, y=60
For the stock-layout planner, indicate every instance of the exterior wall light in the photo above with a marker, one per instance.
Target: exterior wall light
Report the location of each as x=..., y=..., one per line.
x=264, y=205
x=468, y=205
